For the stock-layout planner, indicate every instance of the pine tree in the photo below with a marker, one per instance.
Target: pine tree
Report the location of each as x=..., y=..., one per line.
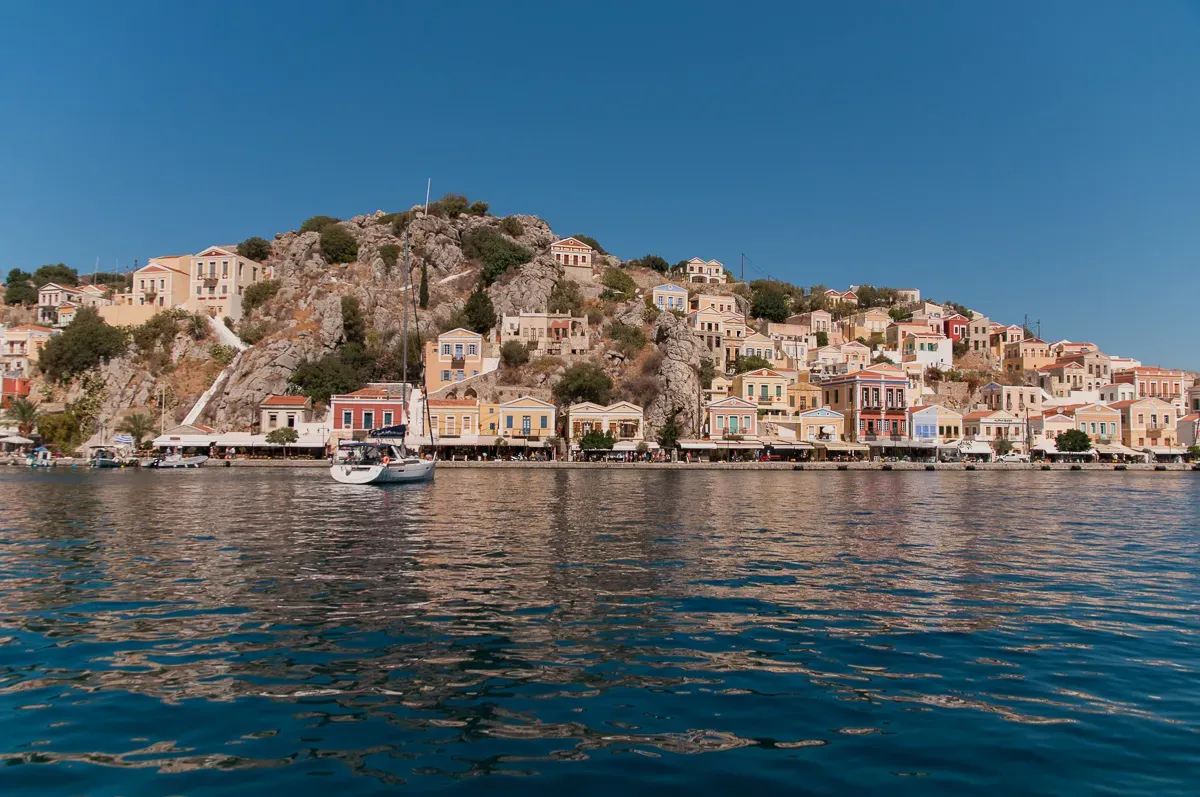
x=423, y=296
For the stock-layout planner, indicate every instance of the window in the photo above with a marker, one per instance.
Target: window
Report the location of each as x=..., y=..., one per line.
x=368, y=419
x=508, y=424
x=544, y=421
x=446, y=349
x=459, y=376
x=779, y=391
x=472, y=349
x=199, y=290
x=199, y=270
x=525, y=424
x=224, y=268
x=720, y=421
x=387, y=418
x=347, y=419
x=291, y=420
x=458, y=351
x=224, y=289
x=272, y=421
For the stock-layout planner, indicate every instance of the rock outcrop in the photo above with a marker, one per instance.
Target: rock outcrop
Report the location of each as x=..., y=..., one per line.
x=679, y=389
x=527, y=288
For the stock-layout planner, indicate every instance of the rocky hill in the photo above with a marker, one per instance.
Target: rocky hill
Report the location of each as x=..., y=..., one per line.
x=303, y=321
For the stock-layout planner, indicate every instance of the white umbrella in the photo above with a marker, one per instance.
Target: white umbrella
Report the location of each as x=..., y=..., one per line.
x=16, y=440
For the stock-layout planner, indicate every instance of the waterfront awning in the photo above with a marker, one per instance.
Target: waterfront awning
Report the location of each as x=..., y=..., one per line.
x=791, y=445
x=901, y=443
x=184, y=441
x=1117, y=450
x=950, y=444
x=697, y=445
x=1046, y=446
x=16, y=440
x=461, y=440
x=632, y=445
x=739, y=445
x=840, y=446
x=1165, y=451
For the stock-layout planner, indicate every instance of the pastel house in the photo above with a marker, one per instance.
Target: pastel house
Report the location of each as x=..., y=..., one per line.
x=670, y=297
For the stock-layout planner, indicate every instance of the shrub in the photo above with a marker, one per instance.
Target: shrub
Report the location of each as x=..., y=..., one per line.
x=338, y=245
x=479, y=312
x=750, y=363
x=477, y=208
x=708, y=372
x=629, y=338
x=389, y=253
x=453, y=205
x=318, y=223
x=251, y=332
x=590, y=241
x=514, y=354
x=565, y=298
x=822, y=339
x=197, y=326
x=157, y=333
x=255, y=248
x=228, y=322
x=497, y=253
x=770, y=303
x=399, y=221
x=583, y=382
x=652, y=262
x=546, y=364
x=617, y=281
x=354, y=324
x=257, y=294
x=61, y=429
x=222, y=354
x=85, y=343
x=511, y=225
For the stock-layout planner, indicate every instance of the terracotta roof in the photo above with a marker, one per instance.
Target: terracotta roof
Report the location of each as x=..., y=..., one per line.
x=33, y=328
x=1195, y=416
x=285, y=401
x=453, y=403
x=1120, y=405
x=368, y=392
x=971, y=416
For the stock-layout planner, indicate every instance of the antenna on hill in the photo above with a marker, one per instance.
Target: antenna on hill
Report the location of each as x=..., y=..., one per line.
x=743, y=266
x=428, y=185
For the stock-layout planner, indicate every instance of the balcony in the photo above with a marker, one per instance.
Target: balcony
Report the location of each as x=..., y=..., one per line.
x=458, y=363
x=869, y=437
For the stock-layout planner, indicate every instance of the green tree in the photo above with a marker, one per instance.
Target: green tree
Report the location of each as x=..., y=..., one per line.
x=669, y=434
x=338, y=245
x=258, y=293
x=389, y=254
x=514, y=353
x=1194, y=451
x=477, y=208
x=595, y=440
x=19, y=288
x=479, y=312
x=1073, y=441
x=652, y=262
x=222, y=354
x=453, y=205
x=583, y=382
x=898, y=313
x=423, y=294
x=630, y=339
x=57, y=273
x=84, y=344
x=769, y=302
x=197, y=326
x=138, y=425
x=354, y=324
x=23, y=414
x=328, y=376
x=590, y=241
x=1003, y=446
x=158, y=333
x=620, y=285
x=565, y=298
x=283, y=436
x=61, y=429
x=708, y=372
x=822, y=339
x=255, y=248
x=497, y=253
x=750, y=363
x=318, y=223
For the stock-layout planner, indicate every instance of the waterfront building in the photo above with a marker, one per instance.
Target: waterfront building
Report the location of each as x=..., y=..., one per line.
x=732, y=417
x=455, y=421
x=670, y=297
x=355, y=414
x=279, y=411
x=1188, y=430
x=528, y=419
x=623, y=420
x=991, y=426
x=873, y=400
x=547, y=333
x=1148, y=424
x=934, y=423
x=1169, y=384
x=1022, y=401
x=1044, y=430
x=1099, y=421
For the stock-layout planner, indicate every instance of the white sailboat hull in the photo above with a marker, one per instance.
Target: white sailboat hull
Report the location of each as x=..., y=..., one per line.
x=411, y=470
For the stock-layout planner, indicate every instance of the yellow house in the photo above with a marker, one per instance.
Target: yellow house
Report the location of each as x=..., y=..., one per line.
x=935, y=423
x=803, y=396
x=1147, y=423
x=866, y=323
x=489, y=421
x=766, y=389
x=1101, y=422
x=527, y=418
x=818, y=424
x=454, y=417
x=1028, y=354
x=455, y=356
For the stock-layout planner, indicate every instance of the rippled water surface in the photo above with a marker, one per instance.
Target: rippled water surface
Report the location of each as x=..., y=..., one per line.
x=269, y=632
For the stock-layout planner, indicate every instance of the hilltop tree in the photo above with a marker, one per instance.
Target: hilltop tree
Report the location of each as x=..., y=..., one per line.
x=769, y=302
x=479, y=312
x=514, y=354
x=255, y=248
x=338, y=245
x=652, y=262
x=354, y=325
x=57, y=273
x=583, y=382
x=590, y=241
x=497, y=253
x=1073, y=441
x=318, y=223
x=19, y=288
x=328, y=376
x=423, y=295
x=565, y=298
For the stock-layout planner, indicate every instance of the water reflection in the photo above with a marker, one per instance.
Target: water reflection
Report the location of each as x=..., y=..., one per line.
x=562, y=624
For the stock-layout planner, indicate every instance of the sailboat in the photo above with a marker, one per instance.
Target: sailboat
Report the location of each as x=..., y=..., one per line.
x=378, y=459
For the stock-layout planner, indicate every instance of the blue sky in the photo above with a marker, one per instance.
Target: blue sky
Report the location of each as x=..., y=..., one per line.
x=1019, y=157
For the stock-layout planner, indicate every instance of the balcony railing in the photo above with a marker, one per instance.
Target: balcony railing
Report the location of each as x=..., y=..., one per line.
x=210, y=279
x=458, y=363
x=872, y=436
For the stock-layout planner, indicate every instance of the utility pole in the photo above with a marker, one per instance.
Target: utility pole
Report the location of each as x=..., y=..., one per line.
x=743, y=266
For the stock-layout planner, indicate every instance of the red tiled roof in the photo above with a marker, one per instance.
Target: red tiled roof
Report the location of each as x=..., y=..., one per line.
x=367, y=392
x=971, y=416
x=453, y=403
x=285, y=401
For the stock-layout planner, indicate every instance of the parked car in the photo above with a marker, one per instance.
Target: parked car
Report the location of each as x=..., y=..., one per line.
x=1013, y=458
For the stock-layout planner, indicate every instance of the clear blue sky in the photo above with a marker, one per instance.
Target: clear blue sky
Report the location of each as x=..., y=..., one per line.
x=1019, y=157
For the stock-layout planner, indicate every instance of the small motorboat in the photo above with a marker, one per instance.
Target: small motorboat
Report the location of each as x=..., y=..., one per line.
x=109, y=457
x=176, y=461
x=40, y=457
x=377, y=462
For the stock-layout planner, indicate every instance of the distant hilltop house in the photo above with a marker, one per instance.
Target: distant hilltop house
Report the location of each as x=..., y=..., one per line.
x=700, y=271
x=57, y=303
x=575, y=257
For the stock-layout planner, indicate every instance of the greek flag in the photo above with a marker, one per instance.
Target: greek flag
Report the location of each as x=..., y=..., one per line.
x=123, y=439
